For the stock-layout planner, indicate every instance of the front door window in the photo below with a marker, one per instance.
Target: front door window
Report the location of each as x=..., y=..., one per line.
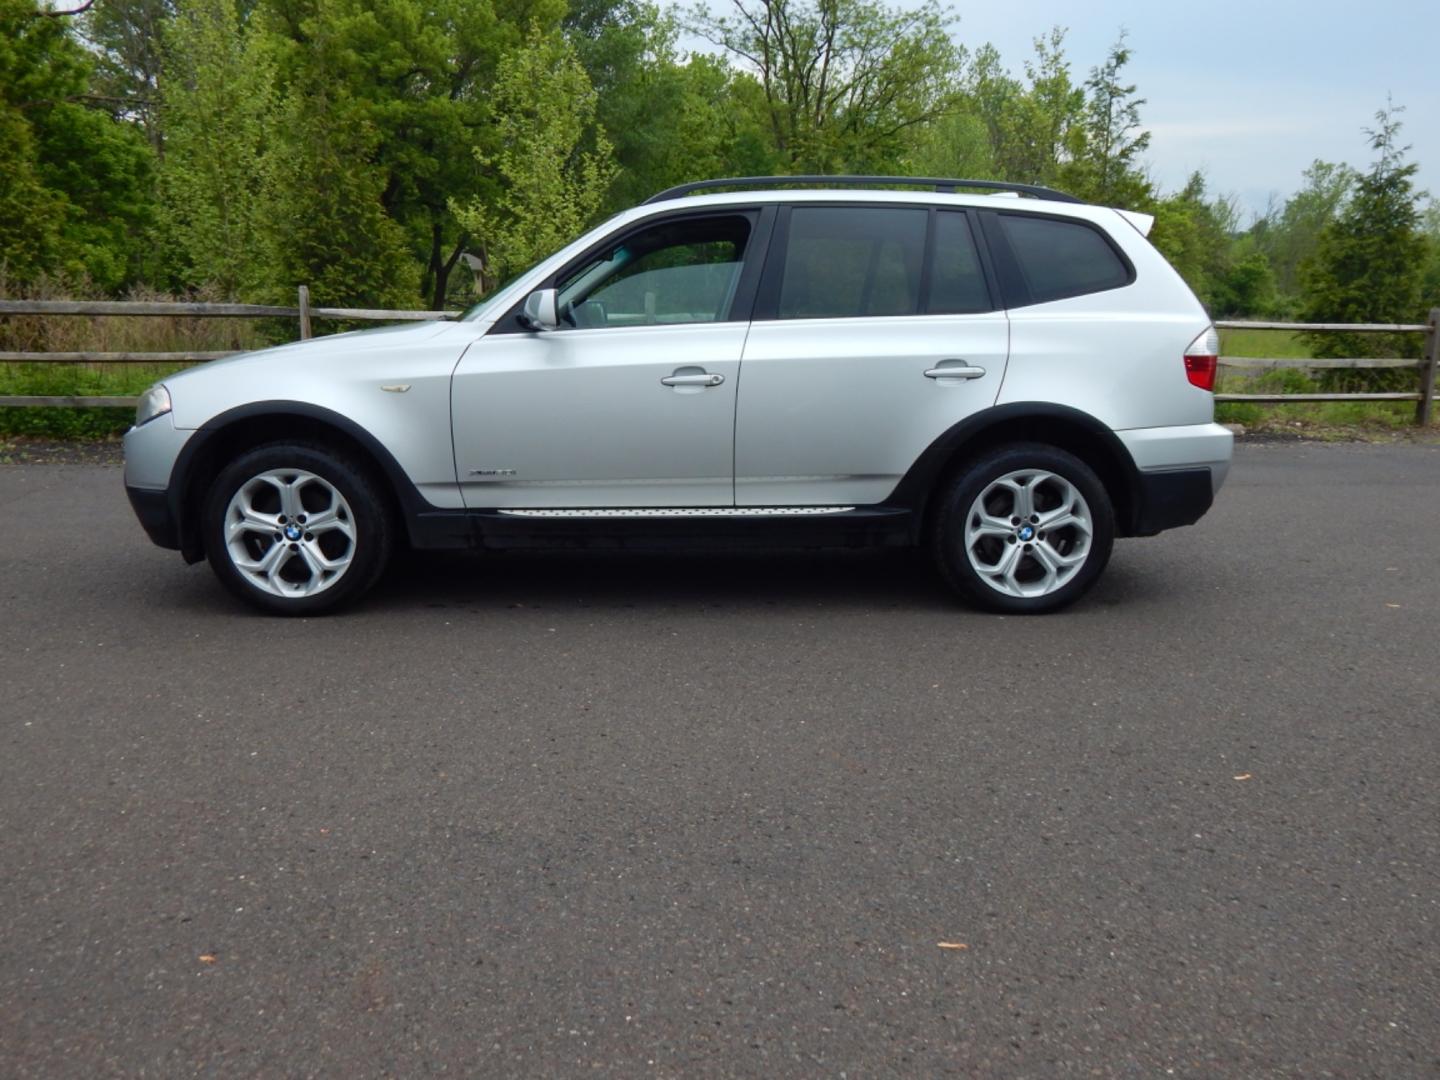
x=669, y=274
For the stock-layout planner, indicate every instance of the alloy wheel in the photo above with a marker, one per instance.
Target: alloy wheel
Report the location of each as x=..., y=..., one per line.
x=1028, y=533
x=289, y=532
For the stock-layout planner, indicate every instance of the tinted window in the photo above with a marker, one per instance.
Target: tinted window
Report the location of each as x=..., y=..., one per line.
x=957, y=284
x=847, y=261
x=1062, y=258
x=674, y=272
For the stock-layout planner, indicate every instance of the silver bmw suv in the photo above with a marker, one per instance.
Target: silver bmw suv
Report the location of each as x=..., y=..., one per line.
x=998, y=372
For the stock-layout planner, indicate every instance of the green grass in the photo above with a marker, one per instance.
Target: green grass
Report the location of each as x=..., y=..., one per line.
x=1278, y=344
x=73, y=380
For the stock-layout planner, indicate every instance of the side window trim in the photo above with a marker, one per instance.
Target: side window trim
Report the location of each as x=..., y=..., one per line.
x=767, y=298
x=762, y=225
x=1014, y=292
x=987, y=262
x=1014, y=289
x=927, y=263
x=742, y=303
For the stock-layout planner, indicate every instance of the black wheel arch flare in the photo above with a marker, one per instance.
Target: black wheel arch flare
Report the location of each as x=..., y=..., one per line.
x=1023, y=421
x=206, y=452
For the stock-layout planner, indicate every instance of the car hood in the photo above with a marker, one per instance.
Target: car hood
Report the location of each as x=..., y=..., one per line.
x=327, y=350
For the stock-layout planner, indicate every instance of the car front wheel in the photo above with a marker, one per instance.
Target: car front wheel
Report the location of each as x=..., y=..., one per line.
x=1025, y=529
x=296, y=529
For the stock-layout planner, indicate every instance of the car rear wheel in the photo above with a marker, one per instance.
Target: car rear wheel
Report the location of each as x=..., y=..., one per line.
x=296, y=529
x=1026, y=529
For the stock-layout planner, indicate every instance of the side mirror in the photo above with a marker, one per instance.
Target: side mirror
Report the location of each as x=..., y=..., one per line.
x=539, y=312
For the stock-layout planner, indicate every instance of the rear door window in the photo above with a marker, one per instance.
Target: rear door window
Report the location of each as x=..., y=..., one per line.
x=846, y=261
x=1057, y=259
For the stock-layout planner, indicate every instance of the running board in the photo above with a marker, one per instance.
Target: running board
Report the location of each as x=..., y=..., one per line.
x=684, y=512
x=720, y=528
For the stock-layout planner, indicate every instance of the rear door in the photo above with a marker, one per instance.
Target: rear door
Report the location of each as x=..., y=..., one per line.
x=877, y=328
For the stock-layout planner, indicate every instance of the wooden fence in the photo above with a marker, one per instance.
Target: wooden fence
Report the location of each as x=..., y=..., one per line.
x=1423, y=395
x=303, y=313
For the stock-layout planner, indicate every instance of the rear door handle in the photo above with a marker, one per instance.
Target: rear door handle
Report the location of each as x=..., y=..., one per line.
x=956, y=371
x=700, y=379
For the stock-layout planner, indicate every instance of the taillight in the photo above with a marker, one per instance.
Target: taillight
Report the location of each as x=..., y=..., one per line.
x=1202, y=360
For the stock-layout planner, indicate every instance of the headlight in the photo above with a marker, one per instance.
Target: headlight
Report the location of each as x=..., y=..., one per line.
x=154, y=402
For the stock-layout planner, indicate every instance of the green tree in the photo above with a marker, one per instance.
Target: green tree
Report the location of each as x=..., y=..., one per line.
x=1430, y=277
x=1369, y=261
x=1035, y=126
x=1247, y=287
x=419, y=77
x=1107, y=167
x=843, y=81
x=217, y=105
x=126, y=38
x=1289, y=238
x=1193, y=230
x=544, y=109
x=670, y=119
x=324, y=220
x=30, y=211
x=73, y=181
x=956, y=144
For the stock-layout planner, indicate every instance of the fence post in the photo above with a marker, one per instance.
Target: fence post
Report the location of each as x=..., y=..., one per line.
x=304, y=312
x=1424, y=410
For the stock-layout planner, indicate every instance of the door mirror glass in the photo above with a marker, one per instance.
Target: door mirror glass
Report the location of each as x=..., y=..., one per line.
x=540, y=310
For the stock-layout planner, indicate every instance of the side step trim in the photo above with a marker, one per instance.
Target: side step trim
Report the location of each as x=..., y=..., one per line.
x=722, y=528
x=684, y=512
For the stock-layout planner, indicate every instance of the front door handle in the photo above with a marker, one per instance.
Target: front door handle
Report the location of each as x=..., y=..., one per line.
x=702, y=378
x=958, y=371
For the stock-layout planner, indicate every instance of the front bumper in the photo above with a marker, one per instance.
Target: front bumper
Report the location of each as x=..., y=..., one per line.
x=150, y=455
x=156, y=517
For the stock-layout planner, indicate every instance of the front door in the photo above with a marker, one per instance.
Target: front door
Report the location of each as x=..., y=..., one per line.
x=631, y=401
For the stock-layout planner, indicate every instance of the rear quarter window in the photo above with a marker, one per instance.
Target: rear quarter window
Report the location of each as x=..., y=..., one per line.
x=1057, y=259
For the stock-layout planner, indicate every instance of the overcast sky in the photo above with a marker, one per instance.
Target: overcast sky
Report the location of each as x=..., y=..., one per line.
x=1250, y=92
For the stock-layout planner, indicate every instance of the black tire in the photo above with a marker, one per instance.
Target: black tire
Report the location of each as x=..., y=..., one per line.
x=957, y=499
x=365, y=550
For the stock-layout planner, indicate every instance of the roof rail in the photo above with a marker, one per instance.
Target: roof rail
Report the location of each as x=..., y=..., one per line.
x=934, y=183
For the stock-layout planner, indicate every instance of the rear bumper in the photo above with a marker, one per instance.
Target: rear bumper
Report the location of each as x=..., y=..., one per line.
x=152, y=507
x=1179, y=472
x=1189, y=446
x=1167, y=500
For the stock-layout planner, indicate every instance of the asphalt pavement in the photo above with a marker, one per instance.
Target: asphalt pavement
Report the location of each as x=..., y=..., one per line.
x=772, y=816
